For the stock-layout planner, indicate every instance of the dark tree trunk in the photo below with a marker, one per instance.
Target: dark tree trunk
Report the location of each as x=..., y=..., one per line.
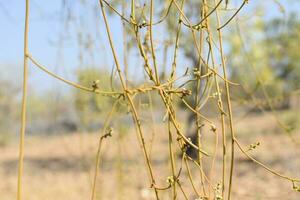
x=192, y=119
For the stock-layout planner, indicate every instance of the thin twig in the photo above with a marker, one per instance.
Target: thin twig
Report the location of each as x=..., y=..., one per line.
x=24, y=103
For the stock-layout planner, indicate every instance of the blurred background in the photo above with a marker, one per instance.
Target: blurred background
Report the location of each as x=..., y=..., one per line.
x=262, y=46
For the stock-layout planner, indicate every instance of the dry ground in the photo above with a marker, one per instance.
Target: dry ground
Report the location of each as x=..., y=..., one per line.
x=61, y=167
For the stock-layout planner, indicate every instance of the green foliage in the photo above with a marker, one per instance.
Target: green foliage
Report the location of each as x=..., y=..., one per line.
x=291, y=119
x=283, y=41
x=8, y=113
x=90, y=106
x=267, y=53
x=5, y=138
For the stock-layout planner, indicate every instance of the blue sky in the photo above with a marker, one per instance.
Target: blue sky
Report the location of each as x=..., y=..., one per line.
x=46, y=29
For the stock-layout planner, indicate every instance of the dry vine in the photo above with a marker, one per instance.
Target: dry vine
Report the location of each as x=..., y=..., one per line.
x=206, y=73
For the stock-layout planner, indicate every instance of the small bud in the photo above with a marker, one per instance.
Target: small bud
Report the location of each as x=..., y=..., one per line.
x=170, y=180
x=295, y=187
x=108, y=133
x=186, y=92
x=213, y=127
x=253, y=146
x=95, y=85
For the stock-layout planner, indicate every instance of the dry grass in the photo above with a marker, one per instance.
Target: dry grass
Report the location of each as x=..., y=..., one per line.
x=61, y=167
